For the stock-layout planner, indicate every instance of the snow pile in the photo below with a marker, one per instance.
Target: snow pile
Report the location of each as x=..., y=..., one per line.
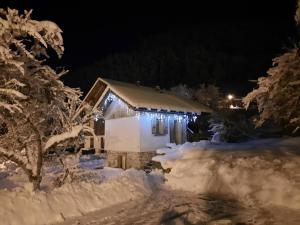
x=70, y=200
x=267, y=171
x=92, y=162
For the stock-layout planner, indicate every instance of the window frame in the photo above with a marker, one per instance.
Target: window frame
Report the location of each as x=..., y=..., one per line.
x=159, y=126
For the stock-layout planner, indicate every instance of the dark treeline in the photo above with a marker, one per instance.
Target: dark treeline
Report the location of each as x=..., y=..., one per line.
x=226, y=54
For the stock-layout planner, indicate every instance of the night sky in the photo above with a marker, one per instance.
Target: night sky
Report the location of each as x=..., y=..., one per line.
x=248, y=32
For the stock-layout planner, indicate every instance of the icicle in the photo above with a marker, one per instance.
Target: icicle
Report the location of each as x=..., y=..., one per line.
x=194, y=118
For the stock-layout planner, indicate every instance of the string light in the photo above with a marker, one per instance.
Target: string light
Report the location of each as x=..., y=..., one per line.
x=150, y=115
x=124, y=108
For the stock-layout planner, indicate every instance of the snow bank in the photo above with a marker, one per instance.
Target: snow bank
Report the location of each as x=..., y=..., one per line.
x=267, y=171
x=75, y=199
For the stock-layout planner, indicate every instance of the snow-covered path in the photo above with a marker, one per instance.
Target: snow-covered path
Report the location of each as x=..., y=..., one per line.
x=170, y=207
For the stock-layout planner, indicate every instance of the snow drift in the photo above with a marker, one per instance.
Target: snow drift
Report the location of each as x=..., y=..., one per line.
x=267, y=171
x=74, y=199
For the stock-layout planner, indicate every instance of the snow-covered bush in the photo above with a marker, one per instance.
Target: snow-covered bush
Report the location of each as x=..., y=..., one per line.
x=36, y=109
x=278, y=94
x=231, y=125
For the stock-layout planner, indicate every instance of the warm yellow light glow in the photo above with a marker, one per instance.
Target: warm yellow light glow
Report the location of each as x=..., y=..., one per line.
x=230, y=96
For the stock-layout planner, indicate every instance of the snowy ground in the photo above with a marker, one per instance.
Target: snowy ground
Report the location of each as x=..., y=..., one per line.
x=91, y=189
x=248, y=183
x=177, y=207
x=257, y=182
x=87, y=167
x=264, y=171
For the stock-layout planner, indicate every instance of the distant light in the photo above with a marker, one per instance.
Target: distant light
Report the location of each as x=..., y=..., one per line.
x=230, y=96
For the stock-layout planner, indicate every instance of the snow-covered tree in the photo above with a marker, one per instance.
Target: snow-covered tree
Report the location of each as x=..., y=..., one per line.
x=182, y=90
x=208, y=95
x=278, y=94
x=36, y=109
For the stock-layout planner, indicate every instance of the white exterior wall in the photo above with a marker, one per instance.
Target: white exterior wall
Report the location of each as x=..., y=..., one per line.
x=122, y=134
x=134, y=134
x=148, y=141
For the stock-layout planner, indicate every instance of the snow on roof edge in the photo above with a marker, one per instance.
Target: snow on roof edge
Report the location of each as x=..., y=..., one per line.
x=181, y=105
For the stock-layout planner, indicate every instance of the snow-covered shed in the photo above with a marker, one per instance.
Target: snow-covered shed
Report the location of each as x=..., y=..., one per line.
x=136, y=120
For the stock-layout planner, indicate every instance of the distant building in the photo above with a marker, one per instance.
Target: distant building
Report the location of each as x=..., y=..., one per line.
x=136, y=120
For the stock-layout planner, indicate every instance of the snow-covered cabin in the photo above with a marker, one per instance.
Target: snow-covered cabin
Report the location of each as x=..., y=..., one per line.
x=136, y=120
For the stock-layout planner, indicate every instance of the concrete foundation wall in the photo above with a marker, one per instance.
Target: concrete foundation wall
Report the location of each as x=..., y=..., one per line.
x=127, y=160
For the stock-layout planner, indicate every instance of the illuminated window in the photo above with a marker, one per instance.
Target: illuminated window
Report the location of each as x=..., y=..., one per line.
x=159, y=126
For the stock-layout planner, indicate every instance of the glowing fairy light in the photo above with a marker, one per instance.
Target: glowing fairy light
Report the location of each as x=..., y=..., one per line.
x=160, y=114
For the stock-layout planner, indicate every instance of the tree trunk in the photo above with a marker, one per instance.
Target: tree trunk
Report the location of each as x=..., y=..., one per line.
x=36, y=182
x=36, y=177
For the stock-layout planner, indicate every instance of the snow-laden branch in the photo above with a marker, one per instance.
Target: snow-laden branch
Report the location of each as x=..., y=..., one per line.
x=73, y=133
x=12, y=108
x=15, y=82
x=294, y=83
x=89, y=130
x=13, y=157
x=12, y=92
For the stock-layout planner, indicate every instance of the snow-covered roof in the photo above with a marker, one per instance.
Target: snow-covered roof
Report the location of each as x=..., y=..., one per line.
x=141, y=97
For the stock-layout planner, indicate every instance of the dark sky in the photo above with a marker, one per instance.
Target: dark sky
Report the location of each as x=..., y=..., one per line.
x=92, y=32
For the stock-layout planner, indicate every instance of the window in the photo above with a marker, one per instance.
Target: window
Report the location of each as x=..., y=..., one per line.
x=159, y=126
x=99, y=126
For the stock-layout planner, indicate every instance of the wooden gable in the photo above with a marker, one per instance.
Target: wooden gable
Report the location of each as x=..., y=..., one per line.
x=95, y=93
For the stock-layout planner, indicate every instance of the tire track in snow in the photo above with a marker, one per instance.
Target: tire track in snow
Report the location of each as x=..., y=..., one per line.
x=170, y=207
